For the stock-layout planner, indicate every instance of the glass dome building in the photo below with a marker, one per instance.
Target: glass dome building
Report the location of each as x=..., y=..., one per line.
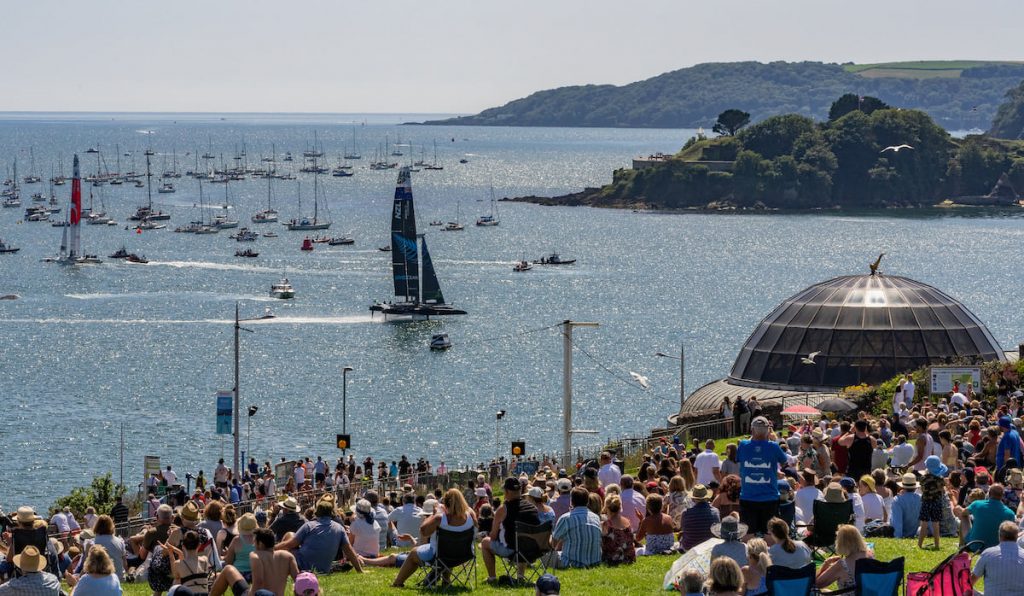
x=861, y=329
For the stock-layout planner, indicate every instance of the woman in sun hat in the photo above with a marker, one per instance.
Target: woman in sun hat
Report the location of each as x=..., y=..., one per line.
x=731, y=531
x=242, y=546
x=933, y=486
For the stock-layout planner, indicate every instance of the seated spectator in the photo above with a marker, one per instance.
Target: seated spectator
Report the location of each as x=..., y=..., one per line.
x=850, y=547
x=513, y=510
x=785, y=551
x=97, y=578
x=906, y=508
x=617, y=541
x=190, y=569
x=698, y=519
x=454, y=516
x=406, y=519
x=985, y=516
x=692, y=583
x=849, y=488
x=874, y=506
x=540, y=500
x=727, y=501
x=756, y=569
x=805, y=497
x=287, y=519
x=364, y=530
x=317, y=542
x=725, y=577
x=561, y=504
x=657, y=528
x=33, y=580
x=1000, y=566
x=731, y=531
x=633, y=502
x=677, y=501
x=577, y=535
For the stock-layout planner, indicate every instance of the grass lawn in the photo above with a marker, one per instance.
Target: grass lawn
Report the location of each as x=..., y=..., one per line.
x=642, y=578
x=924, y=65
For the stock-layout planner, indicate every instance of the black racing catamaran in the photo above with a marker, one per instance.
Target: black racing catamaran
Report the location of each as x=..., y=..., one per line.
x=416, y=287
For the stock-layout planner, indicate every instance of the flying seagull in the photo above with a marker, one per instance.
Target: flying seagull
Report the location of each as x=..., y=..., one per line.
x=639, y=378
x=896, y=148
x=810, y=358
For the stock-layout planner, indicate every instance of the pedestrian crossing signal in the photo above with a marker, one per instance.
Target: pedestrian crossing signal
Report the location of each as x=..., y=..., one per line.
x=518, y=448
x=344, y=441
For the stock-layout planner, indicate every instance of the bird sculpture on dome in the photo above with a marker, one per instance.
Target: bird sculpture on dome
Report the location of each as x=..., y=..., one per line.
x=874, y=266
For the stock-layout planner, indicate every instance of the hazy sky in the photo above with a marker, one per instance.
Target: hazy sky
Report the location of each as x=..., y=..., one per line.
x=441, y=56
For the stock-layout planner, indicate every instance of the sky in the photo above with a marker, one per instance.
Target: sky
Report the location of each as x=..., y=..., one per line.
x=439, y=56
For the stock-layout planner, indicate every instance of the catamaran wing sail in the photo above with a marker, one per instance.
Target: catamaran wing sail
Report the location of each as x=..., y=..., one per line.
x=404, y=257
x=431, y=288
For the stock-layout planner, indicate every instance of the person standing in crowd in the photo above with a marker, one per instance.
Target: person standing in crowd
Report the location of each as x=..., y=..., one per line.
x=933, y=486
x=709, y=467
x=608, y=473
x=760, y=460
x=897, y=398
x=908, y=392
x=860, y=445
x=1009, y=443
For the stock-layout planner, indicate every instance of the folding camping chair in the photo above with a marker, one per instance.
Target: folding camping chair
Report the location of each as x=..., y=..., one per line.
x=527, y=562
x=786, y=581
x=951, y=577
x=454, y=563
x=827, y=519
x=874, y=578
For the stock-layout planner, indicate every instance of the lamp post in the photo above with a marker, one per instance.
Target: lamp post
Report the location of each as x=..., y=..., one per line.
x=682, y=372
x=567, y=327
x=497, y=441
x=248, y=428
x=235, y=432
x=344, y=402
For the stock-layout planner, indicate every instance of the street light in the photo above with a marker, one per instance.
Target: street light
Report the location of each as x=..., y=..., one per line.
x=497, y=441
x=235, y=432
x=248, y=429
x=682, y=372
x=344, y=401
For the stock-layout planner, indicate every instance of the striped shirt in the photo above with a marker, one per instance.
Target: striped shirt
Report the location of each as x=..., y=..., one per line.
x=1002, y=567
x=580, y=534
x=697, y=522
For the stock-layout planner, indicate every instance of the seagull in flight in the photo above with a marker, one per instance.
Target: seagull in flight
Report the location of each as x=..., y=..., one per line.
x=810, y=358
x=640, y=379
x=896, y=148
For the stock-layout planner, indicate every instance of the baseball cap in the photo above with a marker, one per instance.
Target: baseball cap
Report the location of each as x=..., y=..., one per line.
x=512, y=484
x=760, y=421
x=536, y=492
x=848, y=483
x=564, y=485
x=548, y=584
x=1004, y=422
x=306, y=584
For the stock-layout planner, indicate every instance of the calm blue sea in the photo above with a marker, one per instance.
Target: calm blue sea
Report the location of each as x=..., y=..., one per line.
x=85, y=349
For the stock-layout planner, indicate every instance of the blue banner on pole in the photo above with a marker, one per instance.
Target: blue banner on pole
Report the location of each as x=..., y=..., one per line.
x=224, y=406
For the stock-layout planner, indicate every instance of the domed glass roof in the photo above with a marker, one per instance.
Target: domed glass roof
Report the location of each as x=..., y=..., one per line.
x=866, y=328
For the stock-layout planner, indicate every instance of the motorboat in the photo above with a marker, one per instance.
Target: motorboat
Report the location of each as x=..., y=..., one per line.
x=270, y=234
x=265, y=216
x=321, y=239
x=437, y=222
x=7, y=247
x=384, y=248
x=136, y=258
x=121, y=253
x=223, y=222
x=250, y=253
x=12, y=201
x=307, y=244
x=166, y=188
x=341, y=241
x=149, y=225
x=522, y=266
x=453, y=226
x=554, y=259
x=282, y=290
x=440, y=341
x=246, y=235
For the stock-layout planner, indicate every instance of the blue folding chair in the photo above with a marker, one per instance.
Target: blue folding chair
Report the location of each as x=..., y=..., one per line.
x=878, y=578
x=786, y=581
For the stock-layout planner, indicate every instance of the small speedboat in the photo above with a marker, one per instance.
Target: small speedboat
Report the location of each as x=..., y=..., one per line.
x=440, y=341
x=341, y=241
x=437, y=222
x=134, y=258
x=250, y=253
x=121, y=253
x=282, y=290
x=8, y=248
x=321, y=239
x=522, y=266
x=246, y=235
x=554, y=259
x=463, y=160
x=453, y=226
x=269, y=234
x=307, y=244
x=384, y=248
x=166, y=188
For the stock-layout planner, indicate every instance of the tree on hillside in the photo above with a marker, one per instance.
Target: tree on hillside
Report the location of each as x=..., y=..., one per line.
x=1009, y=120
x=851, y=101
x=730, y=122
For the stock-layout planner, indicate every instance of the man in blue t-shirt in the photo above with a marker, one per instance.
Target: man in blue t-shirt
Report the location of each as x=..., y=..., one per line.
x=759, y=471
x=1009, y=444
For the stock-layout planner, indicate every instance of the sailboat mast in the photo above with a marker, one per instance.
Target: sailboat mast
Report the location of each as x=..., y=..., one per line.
x=149, y=183
x=316, y=188
x=76, y=212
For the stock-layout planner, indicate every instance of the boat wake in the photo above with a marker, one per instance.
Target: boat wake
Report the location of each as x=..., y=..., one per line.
x=138, y=295
x=277, y=320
